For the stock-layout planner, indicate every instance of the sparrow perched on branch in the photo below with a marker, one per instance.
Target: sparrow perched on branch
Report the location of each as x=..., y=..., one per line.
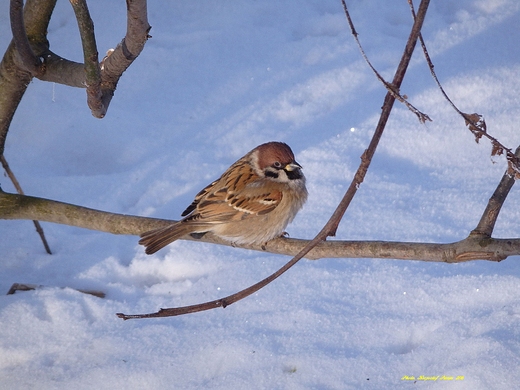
x=251, y=203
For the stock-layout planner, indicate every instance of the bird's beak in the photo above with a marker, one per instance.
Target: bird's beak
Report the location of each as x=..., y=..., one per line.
x=292, y=166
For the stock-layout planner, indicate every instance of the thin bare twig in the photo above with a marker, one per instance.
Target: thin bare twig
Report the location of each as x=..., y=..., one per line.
x=391, y=88
x=30, y=287
x=226, y=301
x=18, y=187
x=475, y=122
x=331, y=226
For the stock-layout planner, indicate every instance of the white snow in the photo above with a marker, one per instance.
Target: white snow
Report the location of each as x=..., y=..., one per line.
x=215, y=80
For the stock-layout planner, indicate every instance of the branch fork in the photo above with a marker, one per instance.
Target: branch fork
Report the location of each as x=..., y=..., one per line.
x=100, y=79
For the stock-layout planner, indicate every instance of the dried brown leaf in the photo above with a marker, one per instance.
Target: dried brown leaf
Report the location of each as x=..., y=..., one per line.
x=476, y=124
x=497, y=149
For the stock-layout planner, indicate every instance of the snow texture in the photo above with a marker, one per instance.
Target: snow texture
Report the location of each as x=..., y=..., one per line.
x=216, y=79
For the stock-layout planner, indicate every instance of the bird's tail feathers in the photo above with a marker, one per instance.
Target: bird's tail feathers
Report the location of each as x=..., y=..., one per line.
x=157, y=239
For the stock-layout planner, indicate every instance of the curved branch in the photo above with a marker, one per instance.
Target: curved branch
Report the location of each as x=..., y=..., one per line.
x=90, y=56
x=119, y=59
x=100, y=79
x=29, y=61
x=33, y=57
x=13, y=84
x=14, y=78
x=13, y=206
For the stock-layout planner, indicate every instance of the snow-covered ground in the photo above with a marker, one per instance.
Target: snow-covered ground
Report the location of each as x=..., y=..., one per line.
x=216, y=79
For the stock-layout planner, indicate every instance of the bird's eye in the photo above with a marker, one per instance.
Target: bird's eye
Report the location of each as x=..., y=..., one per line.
x=277, y=164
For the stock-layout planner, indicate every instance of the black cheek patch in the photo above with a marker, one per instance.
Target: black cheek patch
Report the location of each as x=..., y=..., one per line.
x=272, y=174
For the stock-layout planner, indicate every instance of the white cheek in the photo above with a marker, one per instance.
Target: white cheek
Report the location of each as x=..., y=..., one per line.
x=282, y=177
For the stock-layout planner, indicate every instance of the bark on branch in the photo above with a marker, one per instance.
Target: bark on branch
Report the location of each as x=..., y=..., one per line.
x=90, y=58
x=474, y=247
x=18, y=187
x=29, y=61
x=14, y=76
x=35, y=58
x=29, y=56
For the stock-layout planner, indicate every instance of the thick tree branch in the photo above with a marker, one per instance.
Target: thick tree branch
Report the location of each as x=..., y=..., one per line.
x=119, y=59
x=90, y=58
x=62, y=71
x=101, y=79
x=30, y=62
x=489, y=217
x=13, y=206
x=29, y=56
x=14, y=78
x=13, y=84
x=29, y=30
x=18, y=187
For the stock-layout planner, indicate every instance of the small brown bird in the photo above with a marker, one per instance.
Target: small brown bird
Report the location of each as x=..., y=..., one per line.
x=251, y=203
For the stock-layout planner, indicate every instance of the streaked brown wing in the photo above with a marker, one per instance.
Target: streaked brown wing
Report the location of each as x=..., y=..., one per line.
x=202, y=193
x=234, y=196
